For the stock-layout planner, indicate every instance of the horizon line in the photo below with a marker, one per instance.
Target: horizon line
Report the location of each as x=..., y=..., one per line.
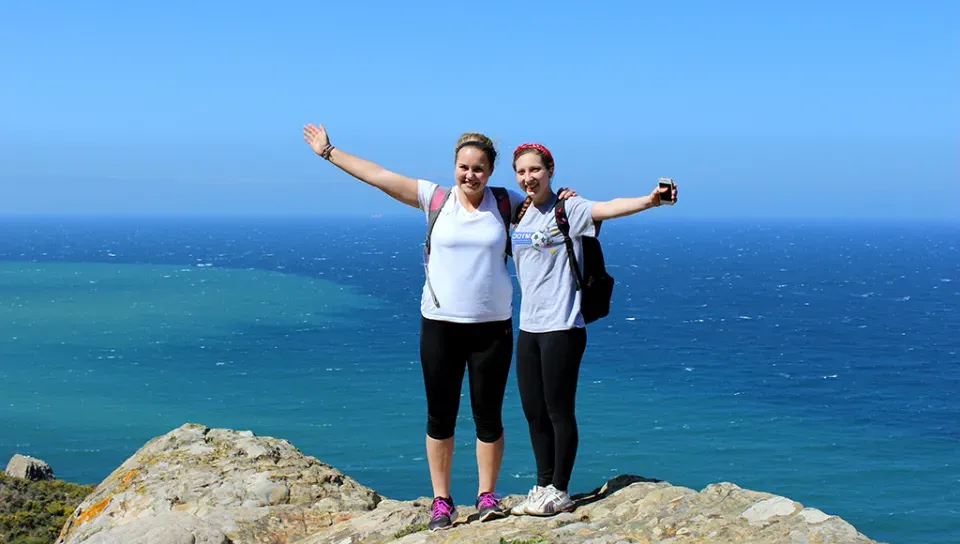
x=418, y=217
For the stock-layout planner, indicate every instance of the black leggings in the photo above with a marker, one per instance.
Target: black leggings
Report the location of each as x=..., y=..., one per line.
x=548, y=365
x=485, y=350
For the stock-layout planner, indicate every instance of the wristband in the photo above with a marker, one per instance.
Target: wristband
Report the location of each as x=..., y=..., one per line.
x=326, y=152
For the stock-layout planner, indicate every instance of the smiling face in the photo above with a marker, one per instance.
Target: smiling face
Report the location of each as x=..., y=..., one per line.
x=533, y=174
x=472, y=169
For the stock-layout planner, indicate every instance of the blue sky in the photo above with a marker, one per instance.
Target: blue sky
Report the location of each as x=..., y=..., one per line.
x=757, y=109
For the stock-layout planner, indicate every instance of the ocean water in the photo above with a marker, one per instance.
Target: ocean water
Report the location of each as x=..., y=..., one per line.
x=813, y=360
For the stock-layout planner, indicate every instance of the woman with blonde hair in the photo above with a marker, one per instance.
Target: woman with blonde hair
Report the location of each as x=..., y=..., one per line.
x=466, y=305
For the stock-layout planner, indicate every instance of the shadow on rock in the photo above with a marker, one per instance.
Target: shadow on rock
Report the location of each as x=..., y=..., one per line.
x=609, y=488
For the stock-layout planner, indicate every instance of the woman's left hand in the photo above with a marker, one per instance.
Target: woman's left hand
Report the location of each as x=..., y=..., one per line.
x=655, y=196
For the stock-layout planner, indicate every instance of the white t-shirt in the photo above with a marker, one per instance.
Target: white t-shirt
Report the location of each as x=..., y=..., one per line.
x=466, y=266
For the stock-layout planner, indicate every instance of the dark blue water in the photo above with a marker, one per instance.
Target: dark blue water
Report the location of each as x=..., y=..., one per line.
x=817, y=361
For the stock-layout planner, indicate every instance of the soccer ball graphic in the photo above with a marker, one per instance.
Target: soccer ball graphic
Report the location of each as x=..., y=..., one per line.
x=538, y=239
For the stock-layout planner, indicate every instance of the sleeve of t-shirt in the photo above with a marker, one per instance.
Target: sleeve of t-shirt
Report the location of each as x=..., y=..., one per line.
x=580, y=214
x=425, y=191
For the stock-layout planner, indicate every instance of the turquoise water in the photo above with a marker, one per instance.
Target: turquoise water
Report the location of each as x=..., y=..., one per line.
x=814, y=361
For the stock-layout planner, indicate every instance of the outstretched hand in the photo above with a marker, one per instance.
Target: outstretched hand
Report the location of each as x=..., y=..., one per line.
x=316, y=137
x=656, y=195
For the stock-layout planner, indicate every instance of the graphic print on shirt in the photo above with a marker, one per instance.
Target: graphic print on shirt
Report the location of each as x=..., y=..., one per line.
x=539, y=239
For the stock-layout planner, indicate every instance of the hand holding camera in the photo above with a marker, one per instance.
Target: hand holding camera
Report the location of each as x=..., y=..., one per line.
x=665, y=193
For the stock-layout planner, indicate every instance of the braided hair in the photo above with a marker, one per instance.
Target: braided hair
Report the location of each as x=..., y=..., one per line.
x=523, y=209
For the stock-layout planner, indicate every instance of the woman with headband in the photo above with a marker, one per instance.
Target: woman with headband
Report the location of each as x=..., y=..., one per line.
x=466, y=305
x=552, y=335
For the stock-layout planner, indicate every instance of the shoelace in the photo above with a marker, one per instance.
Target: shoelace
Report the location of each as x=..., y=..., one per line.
x=487, y=500
x=548, y=498
x=441, y=508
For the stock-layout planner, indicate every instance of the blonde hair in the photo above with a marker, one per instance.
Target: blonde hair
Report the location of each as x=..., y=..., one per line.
x=480, y=141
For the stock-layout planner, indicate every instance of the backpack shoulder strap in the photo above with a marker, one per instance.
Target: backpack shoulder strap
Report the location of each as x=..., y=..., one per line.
x=503, y=203
x=596, y=224
x=560, y=213
x=506, y=212
x=439, y=198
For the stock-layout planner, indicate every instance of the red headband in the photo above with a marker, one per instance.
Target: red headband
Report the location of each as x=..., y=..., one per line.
x=538, y=147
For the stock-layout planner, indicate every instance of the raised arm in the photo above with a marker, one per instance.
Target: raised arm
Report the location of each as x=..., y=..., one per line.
x=619, y=207
x=398, y=186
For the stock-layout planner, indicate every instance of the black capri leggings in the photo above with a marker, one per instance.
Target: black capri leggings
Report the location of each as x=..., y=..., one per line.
x=548, y=365
x=485, y=351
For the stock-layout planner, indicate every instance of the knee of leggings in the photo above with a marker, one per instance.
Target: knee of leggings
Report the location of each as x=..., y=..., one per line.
x=562, y=417
x=489, y=431
x=440, y=429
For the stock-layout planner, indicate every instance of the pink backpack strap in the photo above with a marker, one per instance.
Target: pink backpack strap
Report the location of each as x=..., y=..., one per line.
x=436, y=201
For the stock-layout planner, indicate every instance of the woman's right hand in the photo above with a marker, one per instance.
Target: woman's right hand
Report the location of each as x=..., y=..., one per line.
x=400, y=187
x=316, y=137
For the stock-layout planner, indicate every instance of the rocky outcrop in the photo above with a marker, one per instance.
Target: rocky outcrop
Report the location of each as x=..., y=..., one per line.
x=196, y=485
x=216, y=486
x=626, y=509
x=28, y=468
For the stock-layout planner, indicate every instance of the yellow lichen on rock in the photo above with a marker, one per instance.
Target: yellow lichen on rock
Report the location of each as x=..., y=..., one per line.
x=93, y=511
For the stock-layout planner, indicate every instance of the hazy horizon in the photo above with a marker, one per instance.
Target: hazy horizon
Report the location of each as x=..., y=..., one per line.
x=818, y=110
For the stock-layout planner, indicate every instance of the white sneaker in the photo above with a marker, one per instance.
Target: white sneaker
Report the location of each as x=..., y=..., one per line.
x=552, y=501
x=526, y=507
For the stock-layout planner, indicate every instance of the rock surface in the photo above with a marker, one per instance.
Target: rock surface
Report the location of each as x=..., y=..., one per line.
x=216, y=486
x=196, y=485
x=28, y=468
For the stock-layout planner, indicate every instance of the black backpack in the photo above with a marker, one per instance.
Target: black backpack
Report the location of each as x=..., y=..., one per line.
x=595, y=284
